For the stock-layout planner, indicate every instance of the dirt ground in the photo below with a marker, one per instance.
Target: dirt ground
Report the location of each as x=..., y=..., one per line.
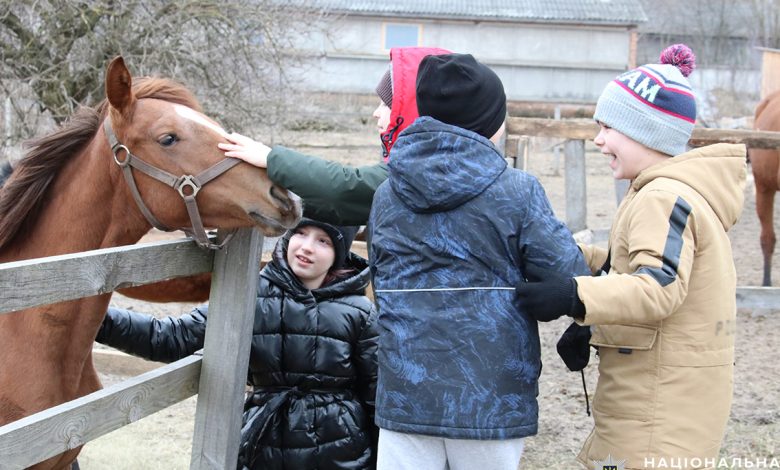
x=163, y=440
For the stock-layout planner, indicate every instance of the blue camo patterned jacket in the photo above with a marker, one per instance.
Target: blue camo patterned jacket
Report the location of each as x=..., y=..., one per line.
x=450, y=231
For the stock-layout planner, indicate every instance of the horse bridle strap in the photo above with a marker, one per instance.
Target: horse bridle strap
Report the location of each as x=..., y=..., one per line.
x=187, y=186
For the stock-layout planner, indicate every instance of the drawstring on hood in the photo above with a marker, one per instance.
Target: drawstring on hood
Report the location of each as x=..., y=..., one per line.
x=388, y=137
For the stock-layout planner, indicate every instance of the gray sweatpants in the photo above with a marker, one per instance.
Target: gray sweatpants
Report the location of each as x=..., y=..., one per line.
x=401, y=451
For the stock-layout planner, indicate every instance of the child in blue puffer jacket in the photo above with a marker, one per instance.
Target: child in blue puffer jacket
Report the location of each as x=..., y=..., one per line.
x=452, y=231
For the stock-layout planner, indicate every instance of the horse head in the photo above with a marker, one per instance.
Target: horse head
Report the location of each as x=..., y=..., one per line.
x=159, y=122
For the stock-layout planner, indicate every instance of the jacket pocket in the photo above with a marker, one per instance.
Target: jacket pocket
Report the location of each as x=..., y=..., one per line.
x=628, y=371
x=641, y=338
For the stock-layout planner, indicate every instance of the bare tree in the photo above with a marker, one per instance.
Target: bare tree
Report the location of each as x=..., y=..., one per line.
x=717, y=30
x=767, y=23
x=233, y=54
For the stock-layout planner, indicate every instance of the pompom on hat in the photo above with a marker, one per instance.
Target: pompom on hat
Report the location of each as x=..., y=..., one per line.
x=654, y=103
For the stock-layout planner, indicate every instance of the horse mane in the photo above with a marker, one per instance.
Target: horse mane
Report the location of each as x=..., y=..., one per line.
x=22, y=198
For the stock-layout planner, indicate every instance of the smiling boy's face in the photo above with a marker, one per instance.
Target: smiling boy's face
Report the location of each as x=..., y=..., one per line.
x=627, y=156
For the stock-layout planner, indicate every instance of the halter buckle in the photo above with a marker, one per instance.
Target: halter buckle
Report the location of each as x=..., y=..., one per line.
x=187, y=180
x=116, y=149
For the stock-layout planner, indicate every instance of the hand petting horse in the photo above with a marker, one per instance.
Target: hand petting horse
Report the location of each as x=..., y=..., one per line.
x=146, y=156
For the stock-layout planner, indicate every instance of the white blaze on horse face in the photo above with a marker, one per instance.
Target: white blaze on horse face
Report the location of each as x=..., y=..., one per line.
x=192, y=115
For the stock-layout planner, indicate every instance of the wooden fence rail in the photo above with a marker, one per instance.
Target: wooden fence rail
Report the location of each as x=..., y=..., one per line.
x=219, y=376
x=586, y=129
x=29, y=283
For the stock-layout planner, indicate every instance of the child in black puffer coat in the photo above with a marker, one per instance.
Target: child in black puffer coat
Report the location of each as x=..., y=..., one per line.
x=312, y=364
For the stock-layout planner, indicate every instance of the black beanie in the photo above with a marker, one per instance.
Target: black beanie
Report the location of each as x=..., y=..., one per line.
x=342, y=238
x=458, y=90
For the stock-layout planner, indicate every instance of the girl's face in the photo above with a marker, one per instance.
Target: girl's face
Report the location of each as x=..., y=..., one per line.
x=310, y=255
x=627, y=156
x=382, y=116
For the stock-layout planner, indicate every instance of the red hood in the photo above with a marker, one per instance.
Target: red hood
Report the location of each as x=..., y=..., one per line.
x=406, y=61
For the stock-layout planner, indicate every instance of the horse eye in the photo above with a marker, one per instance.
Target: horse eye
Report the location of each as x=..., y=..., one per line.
x=167, y=140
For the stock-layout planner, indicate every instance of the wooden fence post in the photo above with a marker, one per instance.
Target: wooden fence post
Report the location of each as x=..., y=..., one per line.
x=576, y=204
x=621, y=188
x=226, y=353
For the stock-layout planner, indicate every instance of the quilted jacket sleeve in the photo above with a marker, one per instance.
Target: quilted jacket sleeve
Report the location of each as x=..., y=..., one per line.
x=366, y=363
x=595, y=256
x=165, y=339
x=544, y=240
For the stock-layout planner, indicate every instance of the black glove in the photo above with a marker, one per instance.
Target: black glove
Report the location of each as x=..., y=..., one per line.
x=548, y=294
x=574, y=347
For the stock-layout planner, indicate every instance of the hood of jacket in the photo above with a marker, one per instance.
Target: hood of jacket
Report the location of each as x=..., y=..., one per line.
x=279, y=272
x=437, y=167
x=717, y=172
x=404, y=62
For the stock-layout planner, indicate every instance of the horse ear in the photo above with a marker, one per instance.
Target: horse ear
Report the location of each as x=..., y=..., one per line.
x=119, y=86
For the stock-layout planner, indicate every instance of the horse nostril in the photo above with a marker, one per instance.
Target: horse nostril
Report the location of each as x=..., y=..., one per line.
x=281, y=198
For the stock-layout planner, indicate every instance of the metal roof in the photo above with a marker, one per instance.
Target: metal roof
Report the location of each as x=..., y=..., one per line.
x=618, y=12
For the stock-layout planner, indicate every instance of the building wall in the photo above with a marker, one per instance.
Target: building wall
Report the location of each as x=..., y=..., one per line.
x=568, y=63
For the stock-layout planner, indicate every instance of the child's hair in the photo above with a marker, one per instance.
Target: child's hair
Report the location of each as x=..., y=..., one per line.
x=334, y=275
x=653, y=104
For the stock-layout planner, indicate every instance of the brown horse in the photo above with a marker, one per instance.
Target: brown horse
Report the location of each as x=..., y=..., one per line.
x=765, y=166
x=69, y=194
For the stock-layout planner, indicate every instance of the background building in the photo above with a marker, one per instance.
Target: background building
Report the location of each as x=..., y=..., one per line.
x=551, y=50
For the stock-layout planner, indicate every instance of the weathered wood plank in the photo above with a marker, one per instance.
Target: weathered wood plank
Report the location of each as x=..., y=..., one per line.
x=53, y=431
x=41, y=281
x=758, y=297
x=754, y=139
x=575, y=129
x=226, y=353
x=576, y=200
x=586, y=129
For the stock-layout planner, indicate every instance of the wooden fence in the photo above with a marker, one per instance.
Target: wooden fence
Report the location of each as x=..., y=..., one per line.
x=577, y=131
x=218, y=376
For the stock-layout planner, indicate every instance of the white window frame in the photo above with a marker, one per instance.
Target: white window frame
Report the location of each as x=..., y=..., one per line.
x=395, y=23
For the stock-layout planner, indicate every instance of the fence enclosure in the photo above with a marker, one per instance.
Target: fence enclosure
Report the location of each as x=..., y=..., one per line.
x=218, y=376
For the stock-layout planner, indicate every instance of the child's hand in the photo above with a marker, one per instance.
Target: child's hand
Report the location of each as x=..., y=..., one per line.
x=251, y=151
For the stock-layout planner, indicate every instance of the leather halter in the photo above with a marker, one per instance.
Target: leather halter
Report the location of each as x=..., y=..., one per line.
x=183, y=185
